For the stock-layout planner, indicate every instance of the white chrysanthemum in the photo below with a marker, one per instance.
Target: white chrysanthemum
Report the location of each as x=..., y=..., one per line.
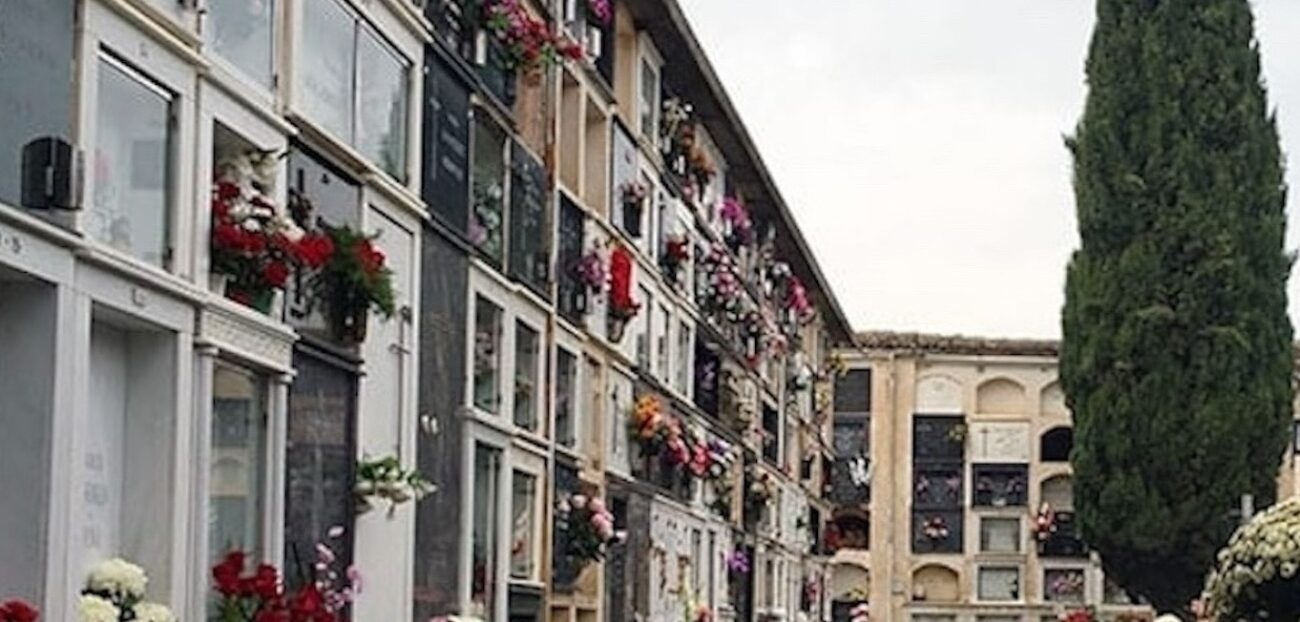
x=118, y=576
x=153, y=612
x=1261, y=560
x=91, y=608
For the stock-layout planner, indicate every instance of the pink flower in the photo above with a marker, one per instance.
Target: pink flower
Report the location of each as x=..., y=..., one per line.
x=596, y=505
x=579, y=501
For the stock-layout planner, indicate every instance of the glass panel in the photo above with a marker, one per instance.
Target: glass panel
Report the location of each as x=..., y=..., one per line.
x=487, y=355
x=649, y=102
x=523, y=526
x=382, y=87
x=487, y=467
x=241, y=31
x=320, y=455
x=998, y=583
x=999, y=485
x=237, y=467
x=661, y=343
x=853, y=391
x=1000, y=535
x=488, y=193
x=1064, y=585
x=328, y=67
x=526, y=376
x=684, y=346
x=566, y=397
x=132, y=164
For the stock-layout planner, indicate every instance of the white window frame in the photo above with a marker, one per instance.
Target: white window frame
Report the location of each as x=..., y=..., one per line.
x=1091, y=581
x=234, y=78
x=540, y=484
x=540, y=427
x=1020, y=581
x=620, y=396
x=515, y=306
x=398, y=39
x=980, y=518
x=221, y=108
x=647, y=54
x=107, y=33
x=683, y=360
x=569, y=344
x=493, y=439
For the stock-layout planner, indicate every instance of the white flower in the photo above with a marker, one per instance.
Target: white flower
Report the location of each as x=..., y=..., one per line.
x=118, y=576
x=153, y=612
x=91, y=608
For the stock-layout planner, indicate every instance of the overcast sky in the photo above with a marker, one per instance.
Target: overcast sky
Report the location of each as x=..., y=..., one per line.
x=918, y=143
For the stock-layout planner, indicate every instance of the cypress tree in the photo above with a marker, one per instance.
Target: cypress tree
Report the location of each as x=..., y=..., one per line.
x=1176, y=357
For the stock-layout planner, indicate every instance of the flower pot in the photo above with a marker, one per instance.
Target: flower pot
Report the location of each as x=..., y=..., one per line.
x=262, y=301
x=617, y=327
x=217, y=283
x=348, y=322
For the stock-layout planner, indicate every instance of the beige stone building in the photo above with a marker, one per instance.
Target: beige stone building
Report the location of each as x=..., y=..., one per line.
x=948, y=452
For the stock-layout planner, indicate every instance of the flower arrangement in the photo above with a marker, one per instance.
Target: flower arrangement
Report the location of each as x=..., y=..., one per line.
x=676, y=252
x=1065, y=585
x=588, y=528
x=591, y=271
x=1257, y=575
x=384, y=478
x=485, y=216
x=260, y=596
x=115, y=591
x=1044, y=524
x=602, y=10
x=353, y=280
x=738, y=563
x=957, y=433
x=622, y=308
x=737, y=228
x=860, y=612
x=255, y=245
x=1077, y=615
x=18, y=611
x=718, y=289
x=935, y=529
x=761, y=488
x=682, y=147
x=529, y=44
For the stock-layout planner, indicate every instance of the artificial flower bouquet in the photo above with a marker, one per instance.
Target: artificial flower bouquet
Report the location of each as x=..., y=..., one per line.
x=115, y=591
x=18, y=611
x=255, y=244
x=587, y=527
x=1257, y=576
x=260, y=595
x=353, y=280
x=385, y=479
x=529, y=43
x=622, y=307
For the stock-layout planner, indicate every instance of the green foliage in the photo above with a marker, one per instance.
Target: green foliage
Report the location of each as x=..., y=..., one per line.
x=1177, y=358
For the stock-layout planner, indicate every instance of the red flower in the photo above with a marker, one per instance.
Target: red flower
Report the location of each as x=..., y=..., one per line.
x=227, y=191
x=277, y=614
x=266, y=583
x=220, y=209
x=228, y=236
x=371, y=258
x=309, y=606
x=18, y=611
x=314, y=249
x=571, y=50
x=276, y=274
x=225, y=575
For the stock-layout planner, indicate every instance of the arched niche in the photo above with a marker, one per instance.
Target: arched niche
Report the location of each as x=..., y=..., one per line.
x=1000, y=396
x=1058, y=491
x=936, y=584
x=850, y=581
x=1052, y=402
x=1055, y=444
x=852, y=528
x=938, y=395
